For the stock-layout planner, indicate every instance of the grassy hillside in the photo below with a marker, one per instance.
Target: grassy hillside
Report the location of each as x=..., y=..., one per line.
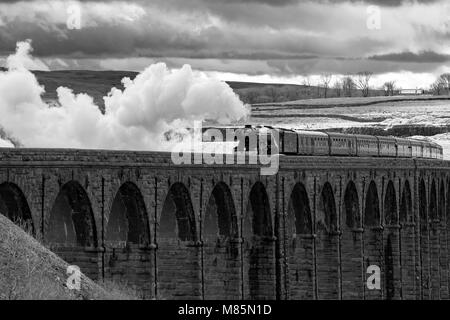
x=30, y=271
x=98, y=83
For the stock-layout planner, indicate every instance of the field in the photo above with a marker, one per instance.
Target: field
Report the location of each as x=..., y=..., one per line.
x=415, y=116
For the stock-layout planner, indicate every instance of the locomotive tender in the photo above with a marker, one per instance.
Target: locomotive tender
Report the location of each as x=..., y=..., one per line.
x=320, y=143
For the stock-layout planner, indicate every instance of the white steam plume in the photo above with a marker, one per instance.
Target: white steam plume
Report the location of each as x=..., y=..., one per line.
x=22, y=59
x=158, y=100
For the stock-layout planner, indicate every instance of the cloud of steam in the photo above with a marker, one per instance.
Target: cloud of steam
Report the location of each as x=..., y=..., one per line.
x=5, y=144
x=23, y=59
x=157, y=101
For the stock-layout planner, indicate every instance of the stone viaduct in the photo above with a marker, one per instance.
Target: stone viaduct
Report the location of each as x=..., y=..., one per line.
x=226, y=232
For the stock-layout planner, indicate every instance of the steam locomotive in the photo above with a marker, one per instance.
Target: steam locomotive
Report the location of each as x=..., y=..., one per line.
x=319, y=143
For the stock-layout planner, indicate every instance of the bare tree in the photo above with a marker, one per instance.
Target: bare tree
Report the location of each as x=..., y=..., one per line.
x=362, y=82
x=436, y=88
x=444, y=80
x=348, y=85
x=441, y=85
x=325, y=80
x=250, y=96
x=389, y=87
x=337, y=88
x=307, y=81
x=271, y=91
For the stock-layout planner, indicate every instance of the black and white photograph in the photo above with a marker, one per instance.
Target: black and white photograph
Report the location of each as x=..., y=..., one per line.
x=241, y=152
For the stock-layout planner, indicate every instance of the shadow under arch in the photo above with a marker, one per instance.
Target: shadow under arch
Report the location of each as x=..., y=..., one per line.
x=351, y=242
x=424, y=256
x=178, y=256
x=405, y=212
x=390, y=205
x=407, y=244
x=442, y=242
x=221, y=253
x=258, y=210
x=351, y=206
x=299, y=209
x=390, y=256
x=259, y=249
x=220, y=217
x=71, y=231
x=127, y=240
x=373, y=236
x=327, y=248
x=434, y=235
x=128, y=219
x=433, y=210
x=372, y=207
x=177, y=216
x=71, y=220
x=441, y=205
x=14, y=206
x=327, y=219
x=300, y=246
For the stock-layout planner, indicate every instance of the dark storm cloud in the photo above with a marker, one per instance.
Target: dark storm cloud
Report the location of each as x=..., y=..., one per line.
x=280, y=37
x=422, y=57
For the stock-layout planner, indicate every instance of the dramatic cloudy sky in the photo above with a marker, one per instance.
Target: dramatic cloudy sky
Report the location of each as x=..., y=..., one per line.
x=257, y=40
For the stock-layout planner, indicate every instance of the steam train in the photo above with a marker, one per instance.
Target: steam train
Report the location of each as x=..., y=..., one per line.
x=319, y=143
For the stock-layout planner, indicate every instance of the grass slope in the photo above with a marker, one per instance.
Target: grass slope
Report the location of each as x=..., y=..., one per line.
x=30, y=271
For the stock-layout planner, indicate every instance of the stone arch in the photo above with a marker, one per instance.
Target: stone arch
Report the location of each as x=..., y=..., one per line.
x=259, y=207
x=433, y=234
x=351, y=206
x=177, y=217
x=433, y=210
x=71, y=220
x=260, y=250
x=299, y=209
x=447, y=205
x=127, y=240
x=327, y=219
x=128, y=220
x=442, y=244
x=327, y=249
x=447, y=235
x=351, y=244
x=220, y=216
x=178, y=257
x=372, y=206
x=441, y=206
x=300, y=246
x=390, y=254
x=423, y=213
x=424, y=241
x=405, y=212
x=390, y=205
x=407, y=244
x=221, y=253
x=14, y=205
x=373, y=236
